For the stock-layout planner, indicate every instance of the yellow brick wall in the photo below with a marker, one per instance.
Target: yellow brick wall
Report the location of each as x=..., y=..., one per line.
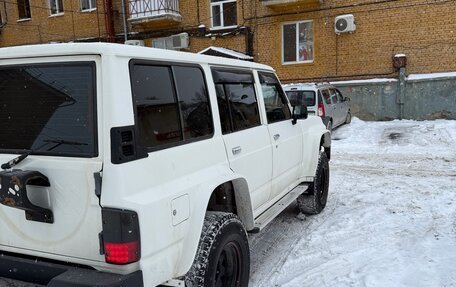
x=43, y=28
x=425, y=30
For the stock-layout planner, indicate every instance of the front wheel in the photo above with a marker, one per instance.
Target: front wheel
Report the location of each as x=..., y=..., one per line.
x=223, y=256
x=314, y=200
x=348, y=118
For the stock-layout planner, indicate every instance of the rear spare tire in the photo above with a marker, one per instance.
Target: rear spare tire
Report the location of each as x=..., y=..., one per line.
x=223, y=256
x=314, y=200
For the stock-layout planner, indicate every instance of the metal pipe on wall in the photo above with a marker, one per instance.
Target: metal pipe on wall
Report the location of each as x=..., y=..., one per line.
x=109, y=21
x=124, y=18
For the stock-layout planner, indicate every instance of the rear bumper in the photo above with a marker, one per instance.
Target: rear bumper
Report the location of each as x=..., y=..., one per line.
x=55, y=274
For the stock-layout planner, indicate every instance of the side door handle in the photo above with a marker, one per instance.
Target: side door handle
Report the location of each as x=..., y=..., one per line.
x=276, y=137
x=236, y=150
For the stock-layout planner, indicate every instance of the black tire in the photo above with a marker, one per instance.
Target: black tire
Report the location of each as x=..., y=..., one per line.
x=223, y=255
x=348, y=119
x=314, y=200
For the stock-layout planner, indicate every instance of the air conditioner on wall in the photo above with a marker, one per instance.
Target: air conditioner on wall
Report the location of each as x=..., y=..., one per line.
x=180, y=41
x=135, y=42
x=344, y=24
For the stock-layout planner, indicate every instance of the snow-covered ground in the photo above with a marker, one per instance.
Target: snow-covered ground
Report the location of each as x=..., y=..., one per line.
x=390, y=218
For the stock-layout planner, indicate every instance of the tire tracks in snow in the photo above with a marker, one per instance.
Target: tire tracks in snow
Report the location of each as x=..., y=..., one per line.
x=285, y=238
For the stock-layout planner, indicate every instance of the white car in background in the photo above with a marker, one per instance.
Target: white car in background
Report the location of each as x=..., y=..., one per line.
x=323, y=100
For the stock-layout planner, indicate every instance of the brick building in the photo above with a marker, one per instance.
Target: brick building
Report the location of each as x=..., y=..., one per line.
x=296, y=37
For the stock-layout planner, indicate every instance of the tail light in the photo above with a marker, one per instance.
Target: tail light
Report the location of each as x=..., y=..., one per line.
x=321, y=109
x=121, y=240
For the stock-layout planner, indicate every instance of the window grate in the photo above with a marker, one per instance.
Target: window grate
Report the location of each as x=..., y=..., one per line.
x=148, y=8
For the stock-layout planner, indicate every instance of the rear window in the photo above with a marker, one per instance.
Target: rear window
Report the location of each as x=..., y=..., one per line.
x=48, y=108
x=301, y=97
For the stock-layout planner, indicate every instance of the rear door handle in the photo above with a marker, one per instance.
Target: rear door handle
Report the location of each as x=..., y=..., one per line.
x=276, y=137
x=236, y=150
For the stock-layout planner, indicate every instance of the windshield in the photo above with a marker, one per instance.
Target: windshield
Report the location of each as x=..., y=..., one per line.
x=48, y=102
x=301, y=97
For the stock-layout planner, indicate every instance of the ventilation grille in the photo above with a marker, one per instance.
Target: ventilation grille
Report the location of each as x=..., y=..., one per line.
x=127, y=136
x=123, y=145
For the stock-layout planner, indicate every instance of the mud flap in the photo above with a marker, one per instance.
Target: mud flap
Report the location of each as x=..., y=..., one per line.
x=13, y=193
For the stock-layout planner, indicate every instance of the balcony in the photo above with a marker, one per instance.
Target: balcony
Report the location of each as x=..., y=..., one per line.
x=154, y=13
x=284, y=4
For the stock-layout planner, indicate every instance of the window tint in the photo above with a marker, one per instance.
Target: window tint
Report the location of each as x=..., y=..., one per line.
x=236, y=100
x=301, y=97
x=168, y=114
x=326, y=96
x=224, y=110
x=243, y=106
x=49, y=108
x=194, y=102
x=275, y=101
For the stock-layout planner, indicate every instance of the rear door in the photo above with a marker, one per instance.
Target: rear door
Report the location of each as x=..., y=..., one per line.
x=48, y=205
x=247, y=142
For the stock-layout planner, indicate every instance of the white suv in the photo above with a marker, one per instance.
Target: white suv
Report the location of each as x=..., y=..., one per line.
x=323, y=100
x=132, y=166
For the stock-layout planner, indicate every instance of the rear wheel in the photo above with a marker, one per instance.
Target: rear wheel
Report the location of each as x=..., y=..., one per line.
x=223, y=256
x=314, y=201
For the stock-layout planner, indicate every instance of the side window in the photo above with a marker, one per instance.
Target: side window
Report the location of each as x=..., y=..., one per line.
x=168, y=114
x=193, y=102
x=339, y=96
x=334, y=98
x=275, y=101
x=236, y=100
x=326, y=96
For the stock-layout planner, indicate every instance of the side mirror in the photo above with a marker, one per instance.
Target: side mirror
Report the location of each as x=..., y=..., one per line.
x=346, y=99
x=299, y=113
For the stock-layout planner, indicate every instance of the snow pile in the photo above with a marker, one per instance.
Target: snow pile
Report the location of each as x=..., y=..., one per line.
x=390, y=218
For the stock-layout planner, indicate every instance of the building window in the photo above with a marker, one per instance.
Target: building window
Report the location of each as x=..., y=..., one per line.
x=56, y=6
x=23, y=7
x=88, y=5
x=223, y=13
x=297, y=42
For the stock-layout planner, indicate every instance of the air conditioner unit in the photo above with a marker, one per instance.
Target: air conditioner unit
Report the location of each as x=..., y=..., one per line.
x=135, y=42
x=344, y=24
x=180, y=41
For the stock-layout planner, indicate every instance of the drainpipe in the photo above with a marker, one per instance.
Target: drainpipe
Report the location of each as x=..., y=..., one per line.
x=400, y=62
x=109, y=21
x=401, y=95
x=248, y=41
x=124, y=18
